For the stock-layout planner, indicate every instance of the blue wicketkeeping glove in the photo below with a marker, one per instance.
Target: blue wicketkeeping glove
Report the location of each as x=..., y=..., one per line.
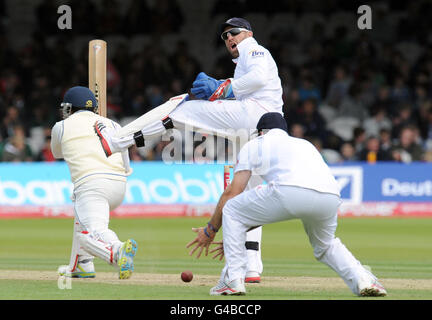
x=204, y=86
x=202, y=75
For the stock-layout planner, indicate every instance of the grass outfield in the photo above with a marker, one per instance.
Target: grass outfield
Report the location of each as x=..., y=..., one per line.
x=397, y=250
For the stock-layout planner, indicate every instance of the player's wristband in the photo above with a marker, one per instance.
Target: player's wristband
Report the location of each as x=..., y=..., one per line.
x=212, y=228
x=206, y=233
x=224, y=91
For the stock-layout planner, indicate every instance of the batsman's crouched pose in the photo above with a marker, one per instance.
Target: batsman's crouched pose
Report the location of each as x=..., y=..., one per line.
x=99, y=187
x=223, y=106
x=299, y=186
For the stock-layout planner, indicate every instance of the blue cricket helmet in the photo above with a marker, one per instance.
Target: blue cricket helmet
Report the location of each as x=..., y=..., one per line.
x=235, y=22
x=272, y=120
x=79, y=98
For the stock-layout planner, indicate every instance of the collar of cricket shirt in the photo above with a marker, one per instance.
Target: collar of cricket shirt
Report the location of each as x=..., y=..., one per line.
x=243, y=46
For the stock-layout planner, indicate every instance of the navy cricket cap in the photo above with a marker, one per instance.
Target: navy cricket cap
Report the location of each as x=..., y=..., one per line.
x=272, y=120
x=235, y=22
x=80, y=97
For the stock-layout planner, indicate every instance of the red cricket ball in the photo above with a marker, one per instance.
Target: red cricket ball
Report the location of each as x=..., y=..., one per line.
x=187, y=276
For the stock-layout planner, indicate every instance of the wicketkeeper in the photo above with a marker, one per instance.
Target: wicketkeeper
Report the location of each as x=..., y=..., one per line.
x=235, y=104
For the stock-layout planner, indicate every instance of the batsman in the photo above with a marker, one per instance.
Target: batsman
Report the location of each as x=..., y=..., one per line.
x=99, y=187
x=221, y=106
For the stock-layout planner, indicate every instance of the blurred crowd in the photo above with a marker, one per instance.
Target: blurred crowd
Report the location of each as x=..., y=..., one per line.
x=355, y=99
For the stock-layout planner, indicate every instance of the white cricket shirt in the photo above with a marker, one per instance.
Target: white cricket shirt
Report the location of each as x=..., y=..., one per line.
x=256, y=76
x=281, y=159
x=75, y=140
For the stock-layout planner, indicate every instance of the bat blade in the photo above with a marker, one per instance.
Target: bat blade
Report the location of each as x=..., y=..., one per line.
x=97, y=66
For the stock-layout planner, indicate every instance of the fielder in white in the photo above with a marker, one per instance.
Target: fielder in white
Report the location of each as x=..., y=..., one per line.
x=299, y=186
x=224, y=107
x=99, y=187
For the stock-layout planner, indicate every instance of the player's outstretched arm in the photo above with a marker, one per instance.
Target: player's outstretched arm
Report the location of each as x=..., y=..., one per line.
x=206, y=235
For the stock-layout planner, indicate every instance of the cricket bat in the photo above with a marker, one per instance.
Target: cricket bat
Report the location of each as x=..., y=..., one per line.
x=97, y=66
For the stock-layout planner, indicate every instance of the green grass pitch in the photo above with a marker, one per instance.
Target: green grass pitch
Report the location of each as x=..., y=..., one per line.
x=399, y=251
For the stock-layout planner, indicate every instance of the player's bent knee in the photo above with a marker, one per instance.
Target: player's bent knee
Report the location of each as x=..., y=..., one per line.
x=319, y=252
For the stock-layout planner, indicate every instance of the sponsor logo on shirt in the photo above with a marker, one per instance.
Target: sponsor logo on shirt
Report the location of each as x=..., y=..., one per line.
x=257, y=54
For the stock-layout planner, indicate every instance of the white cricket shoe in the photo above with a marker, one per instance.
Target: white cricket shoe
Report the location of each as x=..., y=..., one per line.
x=369, y=287
x=83, y=269
x=252, y=277
x=234, y=288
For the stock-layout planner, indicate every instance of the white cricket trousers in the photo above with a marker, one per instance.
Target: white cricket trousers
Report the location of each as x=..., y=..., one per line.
x=272, y=203
x=93, y=201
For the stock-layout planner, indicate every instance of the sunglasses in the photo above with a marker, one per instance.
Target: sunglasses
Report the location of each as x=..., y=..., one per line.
x=233, y=32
